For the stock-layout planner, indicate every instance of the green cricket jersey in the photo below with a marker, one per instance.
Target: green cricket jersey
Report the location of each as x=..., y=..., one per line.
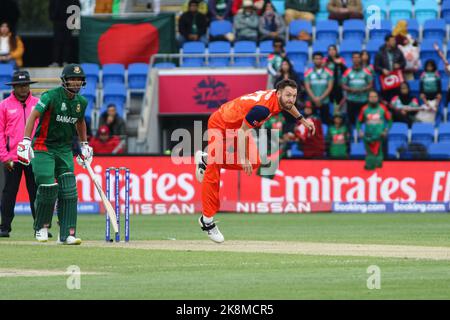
x=338, y=141
x=430, y=84
x=376, y=120
x=59, y=114
x=357, y=79
x=318, y=79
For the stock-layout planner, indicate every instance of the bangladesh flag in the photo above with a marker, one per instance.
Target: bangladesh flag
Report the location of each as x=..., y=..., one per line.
x=126, y=40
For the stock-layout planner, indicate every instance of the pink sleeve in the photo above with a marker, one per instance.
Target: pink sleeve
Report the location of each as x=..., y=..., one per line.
x=3, y=151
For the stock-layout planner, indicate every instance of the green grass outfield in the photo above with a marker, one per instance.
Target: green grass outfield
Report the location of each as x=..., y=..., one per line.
x=37, y=271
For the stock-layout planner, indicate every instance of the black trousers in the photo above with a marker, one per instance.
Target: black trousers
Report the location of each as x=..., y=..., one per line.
x=61, y=42
x=353, y=110
x=12, y=182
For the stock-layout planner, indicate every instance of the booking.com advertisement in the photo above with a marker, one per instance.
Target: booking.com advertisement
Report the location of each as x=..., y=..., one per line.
x=299, y=186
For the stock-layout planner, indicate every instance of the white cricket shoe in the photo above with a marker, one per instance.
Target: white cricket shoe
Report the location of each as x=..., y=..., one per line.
x=213, y=232
x=42, y=235
x=71, y=240
x=200, y=165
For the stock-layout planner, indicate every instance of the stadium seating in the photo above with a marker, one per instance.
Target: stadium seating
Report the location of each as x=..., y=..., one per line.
x=113, y=73
x=414, y=28
x=164, y=65
x=425, y=10
x=327, y=30
x=354, y=29
x=6, y=71
x=444, y=132
x=297, y=51
x=324, y=129
x=296, y=26
x=137, y=76
x=295, y=151
x=445, y=11
x=393, y=146
x=347, y=47
x=279, y=6
x=427, y=50
x=398, y=133
x=265, y=47
x=414, y=87
x=373, y=46
x=90, y=93
x=115, y=93
x=193, y=47
x=357, y=150
x=400, y=10
x=219, y=47
x=380, y=33
x=244, y=47
x=322, y=46
x=422, y=133
x=439, y=150
x=435, y=29
x=92, y=72
x=381, y=5
x=220, y=28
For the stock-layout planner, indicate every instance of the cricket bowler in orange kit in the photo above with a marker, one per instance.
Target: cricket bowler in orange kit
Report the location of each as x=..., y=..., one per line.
x=230, y=146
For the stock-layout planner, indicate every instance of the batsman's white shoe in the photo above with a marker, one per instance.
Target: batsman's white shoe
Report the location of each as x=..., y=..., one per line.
x=200, y=165
x=42, y=235
x=213, y=232
x=71, y=240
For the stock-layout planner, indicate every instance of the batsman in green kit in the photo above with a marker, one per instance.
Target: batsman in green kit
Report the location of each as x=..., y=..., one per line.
x=61, y=116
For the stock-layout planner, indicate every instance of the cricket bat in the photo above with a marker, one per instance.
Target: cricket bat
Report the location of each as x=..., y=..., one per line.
x=109, y=208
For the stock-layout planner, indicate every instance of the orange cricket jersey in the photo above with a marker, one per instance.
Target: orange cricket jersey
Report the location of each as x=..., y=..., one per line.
x=233, y=113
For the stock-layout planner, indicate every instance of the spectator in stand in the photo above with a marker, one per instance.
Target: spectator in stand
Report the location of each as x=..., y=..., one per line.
x=365, y=59
x=404, y=107
x=105, y=143
x=11, y=47
x=430, y=93
x=10, y=13
x=62, y=36
x=400, y=33
x=408, y=46
x=341, y=10
x=202, y=6
x=275, y=59
x=313, y=146
x=337, y=65
x=318, y=85
x=115, y=123
x=192, y=25
x=246, y=23
x=338, y=138
x=447, y=69
x=258, y=4
x=219, y=9
x=390, y=60
x=356, y=82
x=300, y=9
x=271, y=24
x=378, y=121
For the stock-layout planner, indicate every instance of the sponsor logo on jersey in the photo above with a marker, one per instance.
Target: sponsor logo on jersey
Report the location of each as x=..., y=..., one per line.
x=66, y=119
x=78, y=108
x=63, y=107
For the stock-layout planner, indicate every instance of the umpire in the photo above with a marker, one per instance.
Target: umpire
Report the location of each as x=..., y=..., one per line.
x=14, y=112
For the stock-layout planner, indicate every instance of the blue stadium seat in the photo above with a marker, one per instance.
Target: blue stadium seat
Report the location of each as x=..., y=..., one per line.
x=427, y=50
x=373, y=46
x=193, y=47
x=439, y=151
x=164, y=65
x=422, y=133
x=398, y=132
x=322, y=16
x=425, y=10
x=115, y=93
x=113, y=73
x=381, y=5
x=297, y=52
x=295, y=151
x=244, y=47
x=299, y=25
x=90, y=93
x=323, y=4
x=414, y=87
x=137, y=75
x=6, y=72
x=279, y=6
x=92, y=71
x=414, y=28
x=219, y=47
x=219, y=28
x=393, y=146
x=380, y=33
x=354, y=29
x=445, y=11
x=324, y=129
x=400, y=10
x=444, y=132
x=435, y=29
x=327, y=30
x=265, y=47
x=322, y=46
x=347, y=47
x=357, y=150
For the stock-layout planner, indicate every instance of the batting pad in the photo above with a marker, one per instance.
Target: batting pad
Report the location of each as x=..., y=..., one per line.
x=67, y=205
x=45, y=204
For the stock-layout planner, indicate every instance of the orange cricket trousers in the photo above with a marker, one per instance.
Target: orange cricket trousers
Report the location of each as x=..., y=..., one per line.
x=222, y=140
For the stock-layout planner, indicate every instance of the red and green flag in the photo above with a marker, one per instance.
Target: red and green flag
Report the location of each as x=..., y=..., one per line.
x=126, y=40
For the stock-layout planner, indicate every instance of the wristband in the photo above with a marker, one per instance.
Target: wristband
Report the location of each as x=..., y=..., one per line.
x=300, y=117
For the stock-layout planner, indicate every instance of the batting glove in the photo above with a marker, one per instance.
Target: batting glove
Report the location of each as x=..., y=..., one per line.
x=86, y=155
x=24, y=151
